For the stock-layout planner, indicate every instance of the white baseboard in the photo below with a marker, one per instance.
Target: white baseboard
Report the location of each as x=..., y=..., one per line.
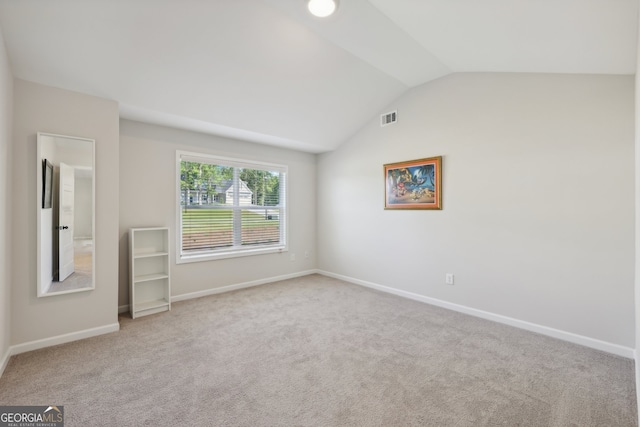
x=544, y=330
x=62, y=339
x=237, y=286
x=5, y=360
x=123, y=309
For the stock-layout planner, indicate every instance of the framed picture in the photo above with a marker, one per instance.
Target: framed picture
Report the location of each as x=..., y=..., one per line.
x=47, y=183
x=415, y=184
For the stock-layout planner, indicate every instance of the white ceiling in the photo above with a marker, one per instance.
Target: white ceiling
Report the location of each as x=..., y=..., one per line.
x=267, y=71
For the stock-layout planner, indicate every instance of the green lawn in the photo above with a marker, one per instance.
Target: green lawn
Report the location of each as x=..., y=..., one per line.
x=199, y=220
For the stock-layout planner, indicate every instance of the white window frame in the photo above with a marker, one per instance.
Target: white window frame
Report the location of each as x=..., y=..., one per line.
x=235, y=251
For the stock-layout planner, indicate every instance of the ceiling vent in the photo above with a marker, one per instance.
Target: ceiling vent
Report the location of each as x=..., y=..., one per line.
x=387, y=119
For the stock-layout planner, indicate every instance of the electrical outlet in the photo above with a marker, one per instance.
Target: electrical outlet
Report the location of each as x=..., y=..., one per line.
x=448, y=279
x=292, y=257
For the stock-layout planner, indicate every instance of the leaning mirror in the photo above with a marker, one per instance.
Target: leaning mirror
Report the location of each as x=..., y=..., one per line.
x=65, y=219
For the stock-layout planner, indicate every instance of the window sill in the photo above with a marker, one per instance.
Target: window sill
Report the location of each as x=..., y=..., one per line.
x=209, y=256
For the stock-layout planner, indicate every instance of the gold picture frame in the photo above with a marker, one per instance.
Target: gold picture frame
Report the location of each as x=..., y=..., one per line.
x=413, y=184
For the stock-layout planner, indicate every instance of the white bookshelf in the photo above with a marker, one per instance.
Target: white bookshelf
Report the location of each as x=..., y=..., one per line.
x=149, y=282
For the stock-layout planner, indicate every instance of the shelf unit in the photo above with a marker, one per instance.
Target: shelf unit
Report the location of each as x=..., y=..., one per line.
x=149, y=281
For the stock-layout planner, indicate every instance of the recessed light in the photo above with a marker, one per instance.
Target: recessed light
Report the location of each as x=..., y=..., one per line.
x=322, y=8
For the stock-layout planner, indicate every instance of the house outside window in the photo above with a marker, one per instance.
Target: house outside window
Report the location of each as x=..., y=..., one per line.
x=229, y=207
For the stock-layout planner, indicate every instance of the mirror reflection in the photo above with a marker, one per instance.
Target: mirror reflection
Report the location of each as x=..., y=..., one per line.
x=65, y=236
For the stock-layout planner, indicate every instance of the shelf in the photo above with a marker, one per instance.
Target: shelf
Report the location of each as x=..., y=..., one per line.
x=149, y=254
x=150, y=305
x=149, y=271
x=150, y=277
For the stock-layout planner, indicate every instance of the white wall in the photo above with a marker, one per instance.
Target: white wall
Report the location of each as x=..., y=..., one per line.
x=46, y=255
x=39, y=108
x=6, y=120
x=83, y=197
x=147, y=198
x=538, y=218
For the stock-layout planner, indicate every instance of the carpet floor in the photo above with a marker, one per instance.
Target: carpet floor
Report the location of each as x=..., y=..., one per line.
x=316, y=351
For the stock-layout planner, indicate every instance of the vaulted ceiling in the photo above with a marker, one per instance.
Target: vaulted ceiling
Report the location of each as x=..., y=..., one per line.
x=267, y=71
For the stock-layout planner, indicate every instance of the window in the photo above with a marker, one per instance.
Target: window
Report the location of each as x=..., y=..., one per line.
x=229, y=207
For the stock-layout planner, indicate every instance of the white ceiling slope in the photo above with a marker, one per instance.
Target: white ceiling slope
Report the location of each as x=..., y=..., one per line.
x=267, y=71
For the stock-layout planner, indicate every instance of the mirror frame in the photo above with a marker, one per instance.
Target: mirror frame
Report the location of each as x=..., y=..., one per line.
x=39, y=209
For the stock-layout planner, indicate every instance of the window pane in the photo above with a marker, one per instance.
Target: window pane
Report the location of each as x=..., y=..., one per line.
x=260, y=226
x=261, y=187
x=205, y=184
x=206, y=229
x=206, y=190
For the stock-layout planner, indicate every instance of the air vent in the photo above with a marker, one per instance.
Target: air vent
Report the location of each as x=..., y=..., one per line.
x=387, y=119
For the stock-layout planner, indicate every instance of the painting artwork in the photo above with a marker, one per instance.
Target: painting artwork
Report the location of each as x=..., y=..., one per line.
x=414, y=184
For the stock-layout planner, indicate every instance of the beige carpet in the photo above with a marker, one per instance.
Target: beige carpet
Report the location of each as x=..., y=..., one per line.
x=320, y=352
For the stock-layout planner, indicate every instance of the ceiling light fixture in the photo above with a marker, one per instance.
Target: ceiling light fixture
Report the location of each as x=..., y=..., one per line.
x=322, y=8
